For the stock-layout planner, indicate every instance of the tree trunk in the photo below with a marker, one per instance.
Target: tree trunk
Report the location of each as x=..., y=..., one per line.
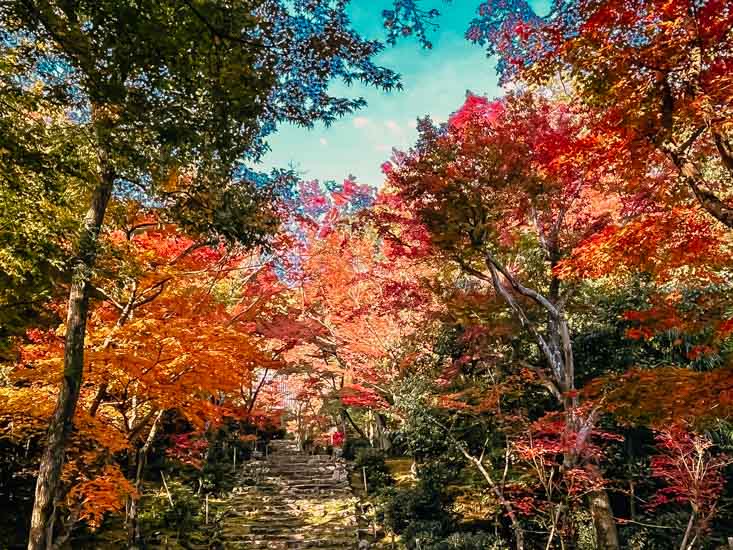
x=694, y=179
x=632, y=500
x=686, y=539
x=603, y=521
x=556, y=346
x=68, y=530
x=707, y=199
x=121, y=320
x=346, y=416
x=61, y=423
x=133, y=526
x=253, y=399
x=382, y=438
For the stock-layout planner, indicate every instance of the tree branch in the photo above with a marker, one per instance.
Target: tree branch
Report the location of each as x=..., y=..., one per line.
x=546, y=381
x=693, y=178
x=521, y=289
x=725, y=150
x=526, y=322
x=518, y=532
x=100, y=293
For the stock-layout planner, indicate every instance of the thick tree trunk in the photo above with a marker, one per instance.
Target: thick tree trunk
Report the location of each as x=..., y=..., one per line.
x=61, y=424
x=557, y=348
x=603, y=521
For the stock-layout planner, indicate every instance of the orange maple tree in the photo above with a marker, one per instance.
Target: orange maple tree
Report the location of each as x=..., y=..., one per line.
x=171, y=333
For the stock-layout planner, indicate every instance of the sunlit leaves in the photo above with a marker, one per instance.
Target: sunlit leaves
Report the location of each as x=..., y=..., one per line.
x=693, y=474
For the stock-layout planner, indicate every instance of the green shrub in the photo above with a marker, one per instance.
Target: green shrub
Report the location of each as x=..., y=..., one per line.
x=160, y=520
x=471, y=541
x=424, y=534
x=420, y=514
x=377, y=472
x=352, y=446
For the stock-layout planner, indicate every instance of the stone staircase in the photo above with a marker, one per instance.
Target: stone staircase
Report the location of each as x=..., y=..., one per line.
x=291, y=500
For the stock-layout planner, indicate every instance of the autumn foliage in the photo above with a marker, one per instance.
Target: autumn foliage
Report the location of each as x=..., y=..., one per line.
x=534, y=309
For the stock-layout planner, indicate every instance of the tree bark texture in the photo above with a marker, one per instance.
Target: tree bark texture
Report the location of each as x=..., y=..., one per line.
x=61, y=424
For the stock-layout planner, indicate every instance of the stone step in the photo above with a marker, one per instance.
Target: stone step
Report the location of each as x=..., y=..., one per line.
x=314, y=517
x=278, y=482
x=248, y=510
x=292, y=545
x=271, y=480
x=289, y=501
x=306, y=464
x=299, y=538
x=256, y=506
x=294, y=520
x=262, y=532
x=290, y=476
x=308, y=469
x=259, y=501
x=300, y=459
x=272, y=476
x=293, y=493
x=284, y=532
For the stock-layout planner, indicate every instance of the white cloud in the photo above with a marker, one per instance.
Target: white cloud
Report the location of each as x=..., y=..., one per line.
x=382, y=147
x=393, y=127
x=361, y=122
x=323, y=141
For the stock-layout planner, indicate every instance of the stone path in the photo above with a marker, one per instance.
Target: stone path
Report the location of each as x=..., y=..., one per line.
x=291, y=500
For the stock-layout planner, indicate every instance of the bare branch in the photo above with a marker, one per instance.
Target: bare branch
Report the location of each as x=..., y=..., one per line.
x=100, y=293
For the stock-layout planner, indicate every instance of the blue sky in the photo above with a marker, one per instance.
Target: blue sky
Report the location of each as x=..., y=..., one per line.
x=435, y=83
